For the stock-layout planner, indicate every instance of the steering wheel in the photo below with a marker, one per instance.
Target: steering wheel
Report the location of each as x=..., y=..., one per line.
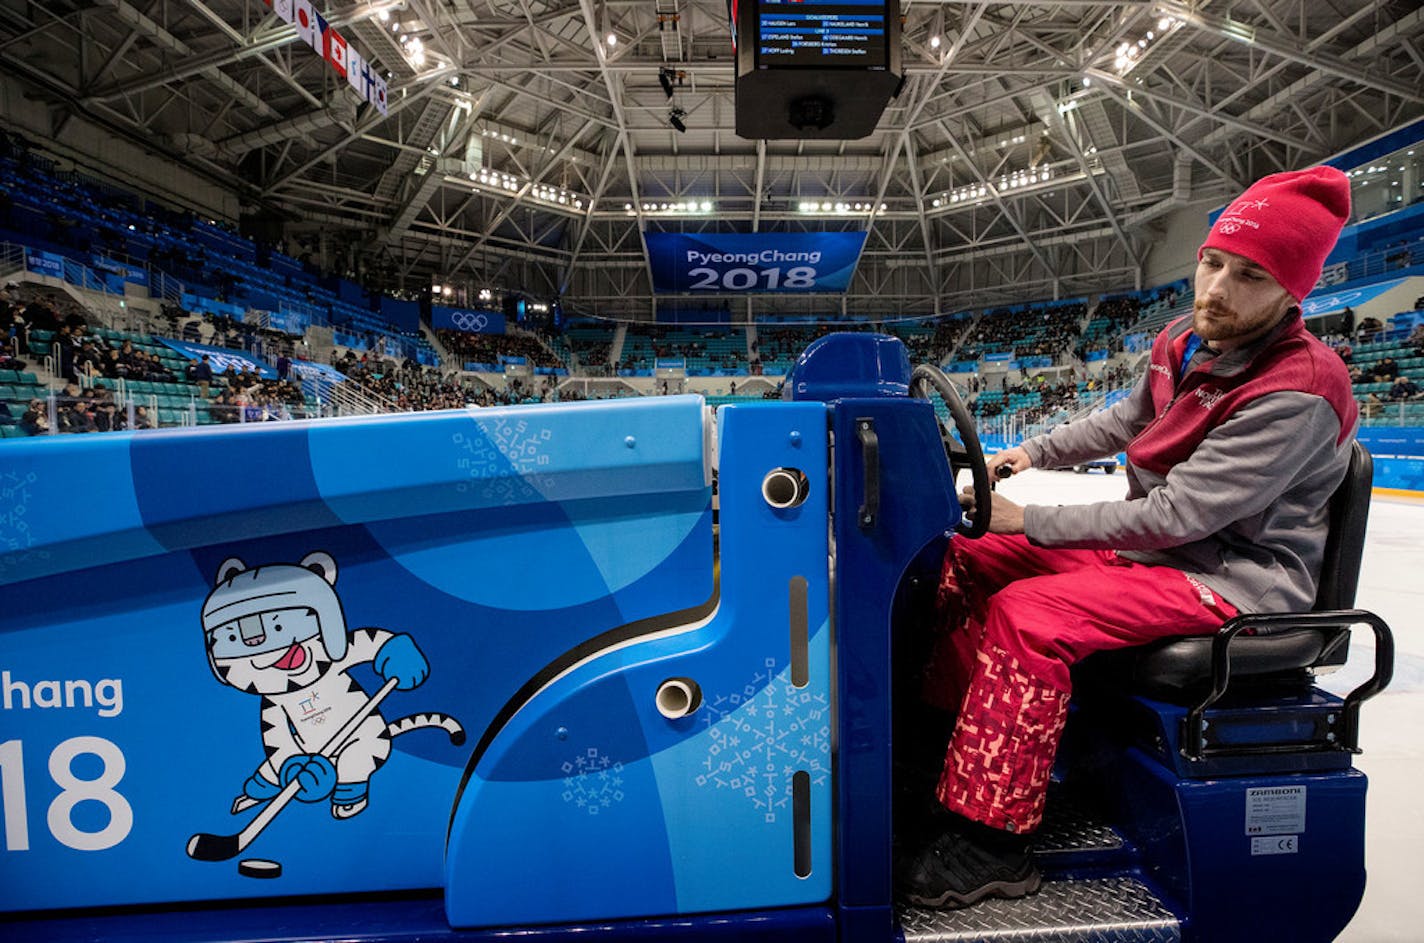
x=968, y=455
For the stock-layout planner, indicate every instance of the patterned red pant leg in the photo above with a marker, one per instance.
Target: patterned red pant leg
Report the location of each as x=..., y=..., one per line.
x=1001, y=755
x=999, y=759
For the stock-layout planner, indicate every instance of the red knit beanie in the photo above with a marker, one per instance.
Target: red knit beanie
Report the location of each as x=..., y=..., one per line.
x=1287, y=224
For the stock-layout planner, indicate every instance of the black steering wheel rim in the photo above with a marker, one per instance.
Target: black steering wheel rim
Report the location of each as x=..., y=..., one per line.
x=926, y=377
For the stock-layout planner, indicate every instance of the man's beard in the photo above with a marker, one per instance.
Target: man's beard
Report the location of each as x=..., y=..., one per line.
x=1228, y=323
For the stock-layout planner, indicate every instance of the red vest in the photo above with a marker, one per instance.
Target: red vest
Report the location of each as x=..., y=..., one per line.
x=1184, y=414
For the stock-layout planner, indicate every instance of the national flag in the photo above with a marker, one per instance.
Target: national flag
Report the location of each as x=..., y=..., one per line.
x=304, y=19
x=334, y=49
x=378, y=93
x=358, y=72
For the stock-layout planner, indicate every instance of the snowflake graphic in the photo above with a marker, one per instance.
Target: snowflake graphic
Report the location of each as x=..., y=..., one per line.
x=764, y=734
x=15, y=536
x=507, y=445
x=593, y=782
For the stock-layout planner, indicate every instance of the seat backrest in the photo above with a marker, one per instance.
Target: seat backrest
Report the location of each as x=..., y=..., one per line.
x=1349, y=513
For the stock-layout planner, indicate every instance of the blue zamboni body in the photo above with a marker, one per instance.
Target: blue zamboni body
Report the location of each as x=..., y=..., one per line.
x=617, y=709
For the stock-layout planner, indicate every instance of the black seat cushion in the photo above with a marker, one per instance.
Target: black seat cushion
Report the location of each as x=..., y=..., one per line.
x=1183, y=665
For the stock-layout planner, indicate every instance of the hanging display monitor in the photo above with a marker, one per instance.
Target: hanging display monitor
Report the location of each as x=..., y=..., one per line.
x=815, y=68
x=818, y=34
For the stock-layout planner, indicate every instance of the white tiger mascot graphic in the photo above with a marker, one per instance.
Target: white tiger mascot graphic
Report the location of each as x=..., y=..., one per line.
x=278, y=631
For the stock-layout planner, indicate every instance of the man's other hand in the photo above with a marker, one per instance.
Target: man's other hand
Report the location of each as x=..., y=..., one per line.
x=1015, y=458
x=1005, y=517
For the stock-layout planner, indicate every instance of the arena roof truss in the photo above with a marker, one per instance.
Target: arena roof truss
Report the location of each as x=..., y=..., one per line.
x=1034, y=148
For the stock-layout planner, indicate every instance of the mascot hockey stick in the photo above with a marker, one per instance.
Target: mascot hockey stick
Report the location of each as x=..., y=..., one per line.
x=206, y=847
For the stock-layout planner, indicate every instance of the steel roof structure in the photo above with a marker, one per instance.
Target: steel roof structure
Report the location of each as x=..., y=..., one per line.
x=1034, y=150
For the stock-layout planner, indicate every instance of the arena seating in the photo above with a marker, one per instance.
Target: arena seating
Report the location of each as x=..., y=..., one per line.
x=779, y=343
x=1045, y=329
x=705, y=351
x=222, y=273
x=1375, y=364
x=1111, y=315
x=591, y=341
x=931, y=341
x=486, y=350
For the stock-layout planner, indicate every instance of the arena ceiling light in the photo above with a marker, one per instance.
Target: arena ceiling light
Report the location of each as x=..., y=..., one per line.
x=1014, y=183
x=498, y=182
x=499, y=136
x=514, y=140
x=1129, y=53
x=671, y=208
x=838, y=207
x=675, y=119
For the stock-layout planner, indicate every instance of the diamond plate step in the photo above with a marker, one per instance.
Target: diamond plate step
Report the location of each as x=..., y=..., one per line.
x=1103, y=910
x=1070, y=828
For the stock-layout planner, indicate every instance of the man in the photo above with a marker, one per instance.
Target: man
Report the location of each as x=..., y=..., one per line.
x=35, y=420
x=203, y=375
x=1236, y=438
x=1386, y=370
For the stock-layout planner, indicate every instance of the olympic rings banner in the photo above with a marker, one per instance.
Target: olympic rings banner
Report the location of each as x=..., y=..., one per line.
x=463, y=319
x=743, y=263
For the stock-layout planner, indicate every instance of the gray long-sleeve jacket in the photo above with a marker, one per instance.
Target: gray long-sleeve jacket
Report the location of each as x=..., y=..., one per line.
x=1230, y=468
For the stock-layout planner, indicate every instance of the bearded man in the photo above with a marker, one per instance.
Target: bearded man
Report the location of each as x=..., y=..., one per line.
x=1236, y=438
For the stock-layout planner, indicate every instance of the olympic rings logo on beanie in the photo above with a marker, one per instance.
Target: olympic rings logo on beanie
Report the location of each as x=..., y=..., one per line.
x=1286, y=223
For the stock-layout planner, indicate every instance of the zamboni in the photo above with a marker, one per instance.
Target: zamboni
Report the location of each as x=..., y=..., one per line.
x=485, y=674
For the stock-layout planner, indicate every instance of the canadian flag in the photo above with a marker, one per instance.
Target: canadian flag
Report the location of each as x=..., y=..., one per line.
x=334, y=50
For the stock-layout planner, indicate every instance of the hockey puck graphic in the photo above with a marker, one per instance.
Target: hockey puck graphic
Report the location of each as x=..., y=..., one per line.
x=259, y=868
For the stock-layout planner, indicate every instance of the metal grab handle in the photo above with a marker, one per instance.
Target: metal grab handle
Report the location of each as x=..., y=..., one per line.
x=870, y=463
x=1194, y=736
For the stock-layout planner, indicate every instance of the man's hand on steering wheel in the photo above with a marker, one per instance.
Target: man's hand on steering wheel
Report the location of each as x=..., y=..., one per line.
x=1005, y=517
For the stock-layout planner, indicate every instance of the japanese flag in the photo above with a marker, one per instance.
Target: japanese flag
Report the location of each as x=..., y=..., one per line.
x=304, y=19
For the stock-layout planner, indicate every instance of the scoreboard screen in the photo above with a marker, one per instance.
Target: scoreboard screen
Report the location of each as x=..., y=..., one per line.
x=815, y=68
x=822, y=34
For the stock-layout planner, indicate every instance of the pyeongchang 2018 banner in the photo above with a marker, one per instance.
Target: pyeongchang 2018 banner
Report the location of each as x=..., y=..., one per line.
x=753, y=262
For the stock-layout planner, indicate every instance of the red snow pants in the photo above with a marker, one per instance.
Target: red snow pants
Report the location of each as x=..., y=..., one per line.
x=1014, y=618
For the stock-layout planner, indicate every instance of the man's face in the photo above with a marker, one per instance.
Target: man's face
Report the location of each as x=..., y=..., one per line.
x=1237, y=301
